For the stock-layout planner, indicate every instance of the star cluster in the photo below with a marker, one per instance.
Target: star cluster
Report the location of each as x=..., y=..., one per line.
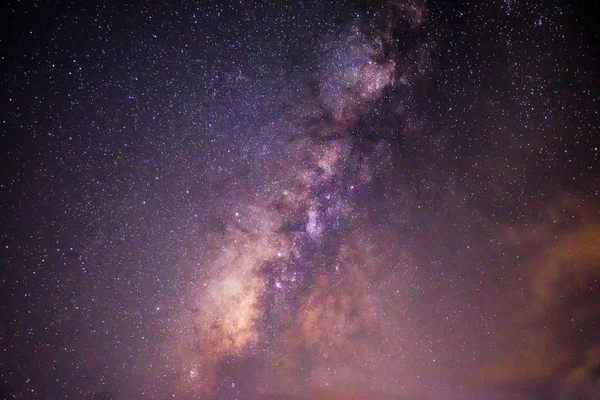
x=300, y=200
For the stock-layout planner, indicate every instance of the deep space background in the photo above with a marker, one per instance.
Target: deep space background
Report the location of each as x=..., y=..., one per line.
x=300, y=200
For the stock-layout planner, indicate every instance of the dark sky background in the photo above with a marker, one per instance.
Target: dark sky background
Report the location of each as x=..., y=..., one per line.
x=300, y=200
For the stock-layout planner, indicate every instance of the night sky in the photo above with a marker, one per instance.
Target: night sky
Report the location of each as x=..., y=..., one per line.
x=300, y=200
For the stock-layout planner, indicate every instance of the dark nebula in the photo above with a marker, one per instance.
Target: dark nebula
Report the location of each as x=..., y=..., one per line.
x=300, y=200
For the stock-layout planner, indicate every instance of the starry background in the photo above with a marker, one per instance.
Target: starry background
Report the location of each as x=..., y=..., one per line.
x=300, y=200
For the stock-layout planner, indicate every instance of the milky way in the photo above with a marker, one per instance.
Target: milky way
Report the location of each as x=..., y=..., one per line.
x=360, y=200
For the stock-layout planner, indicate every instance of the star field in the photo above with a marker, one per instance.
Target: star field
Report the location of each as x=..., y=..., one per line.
x=300, y=200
